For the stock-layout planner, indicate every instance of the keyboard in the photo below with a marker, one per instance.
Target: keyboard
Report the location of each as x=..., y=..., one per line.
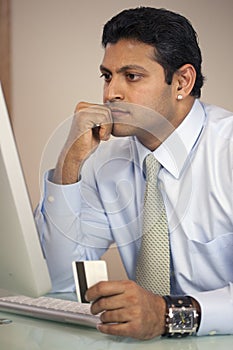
x=50, y=308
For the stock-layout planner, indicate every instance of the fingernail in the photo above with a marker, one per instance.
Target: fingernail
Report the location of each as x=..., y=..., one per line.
x=98, y=326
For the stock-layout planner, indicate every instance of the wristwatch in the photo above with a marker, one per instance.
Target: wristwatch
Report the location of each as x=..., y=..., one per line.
x=181, y=316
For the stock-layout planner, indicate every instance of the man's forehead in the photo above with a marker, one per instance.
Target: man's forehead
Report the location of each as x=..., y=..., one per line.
x=128, y=52
x=130, y=45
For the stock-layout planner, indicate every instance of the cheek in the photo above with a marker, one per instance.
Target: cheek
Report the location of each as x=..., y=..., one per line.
x=104, y=94
x=147, y=99
x=158, y=99
x=141, y=96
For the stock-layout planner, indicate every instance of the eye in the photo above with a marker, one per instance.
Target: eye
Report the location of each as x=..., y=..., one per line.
x=133, y=76
x=107, y=76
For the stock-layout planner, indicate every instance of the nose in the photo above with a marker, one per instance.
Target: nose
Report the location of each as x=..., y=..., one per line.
x=113, y=91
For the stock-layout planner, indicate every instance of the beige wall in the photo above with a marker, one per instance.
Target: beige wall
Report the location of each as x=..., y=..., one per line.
x=56, y=53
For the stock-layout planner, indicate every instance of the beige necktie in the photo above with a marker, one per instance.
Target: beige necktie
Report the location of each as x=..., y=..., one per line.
x=153, y=266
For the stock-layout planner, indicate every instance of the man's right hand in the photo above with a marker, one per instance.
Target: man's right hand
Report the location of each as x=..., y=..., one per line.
x=84, y=137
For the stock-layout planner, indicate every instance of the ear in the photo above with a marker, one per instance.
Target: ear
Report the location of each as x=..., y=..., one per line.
x=185, y=78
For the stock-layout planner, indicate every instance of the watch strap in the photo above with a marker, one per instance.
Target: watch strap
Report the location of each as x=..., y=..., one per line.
x=178, y=301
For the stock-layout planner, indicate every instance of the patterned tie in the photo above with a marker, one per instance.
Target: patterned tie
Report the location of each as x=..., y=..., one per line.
x=153, y=266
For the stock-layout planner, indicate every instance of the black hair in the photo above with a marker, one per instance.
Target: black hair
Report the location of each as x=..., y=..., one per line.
x=171, y=34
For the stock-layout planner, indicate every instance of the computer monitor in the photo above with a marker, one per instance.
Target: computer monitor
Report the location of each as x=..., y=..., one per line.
x=23, y=268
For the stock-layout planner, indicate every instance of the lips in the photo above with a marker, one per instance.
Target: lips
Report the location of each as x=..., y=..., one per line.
x=118, y=113
x=119, y=110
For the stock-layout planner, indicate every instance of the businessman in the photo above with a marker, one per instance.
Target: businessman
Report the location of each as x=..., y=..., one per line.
x=152, y=76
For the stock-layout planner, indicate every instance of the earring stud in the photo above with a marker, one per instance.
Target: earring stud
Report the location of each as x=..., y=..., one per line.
x=179, y=97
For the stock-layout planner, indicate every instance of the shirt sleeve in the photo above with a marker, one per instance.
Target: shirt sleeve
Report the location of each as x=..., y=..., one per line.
x=216, y=311
x=70, y=229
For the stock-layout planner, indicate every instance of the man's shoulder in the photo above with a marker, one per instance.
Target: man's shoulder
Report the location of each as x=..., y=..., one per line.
x=219, y=120
x=216, y=113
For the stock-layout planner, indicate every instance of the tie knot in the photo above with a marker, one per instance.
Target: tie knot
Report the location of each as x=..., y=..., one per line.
x=152, y=168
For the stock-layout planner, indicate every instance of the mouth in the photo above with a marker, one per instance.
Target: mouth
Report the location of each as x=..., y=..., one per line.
x=119, y=113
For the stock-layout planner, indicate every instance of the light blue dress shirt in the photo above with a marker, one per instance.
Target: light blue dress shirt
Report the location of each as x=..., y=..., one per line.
x=80, y=221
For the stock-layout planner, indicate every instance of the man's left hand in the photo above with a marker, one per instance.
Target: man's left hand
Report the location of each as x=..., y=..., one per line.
x=127, y=309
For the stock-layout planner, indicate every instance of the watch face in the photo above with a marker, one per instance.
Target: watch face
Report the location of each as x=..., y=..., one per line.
x=182, y=320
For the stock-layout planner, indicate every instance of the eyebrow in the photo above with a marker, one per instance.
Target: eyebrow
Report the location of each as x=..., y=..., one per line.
x=124, y=68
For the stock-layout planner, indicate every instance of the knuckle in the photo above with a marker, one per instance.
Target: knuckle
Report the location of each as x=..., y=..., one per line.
x=103, y=317
x=82, y=105
x=129, y=283
x=100, y=286
x=101, y=303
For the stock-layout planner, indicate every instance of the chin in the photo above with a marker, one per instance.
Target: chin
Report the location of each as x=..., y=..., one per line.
x=121, y=130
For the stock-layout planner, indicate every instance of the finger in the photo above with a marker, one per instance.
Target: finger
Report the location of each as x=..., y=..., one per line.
x=104, y=289
x=103, y=121
x=105, y=131
x=107, y=303
x=97, y=111
x=116, y=316
x=121, y=329
x=95, y=117
x=82, y=105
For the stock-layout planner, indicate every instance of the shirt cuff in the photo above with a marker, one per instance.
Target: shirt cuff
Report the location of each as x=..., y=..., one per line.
x=216, y=311
x=61, y=198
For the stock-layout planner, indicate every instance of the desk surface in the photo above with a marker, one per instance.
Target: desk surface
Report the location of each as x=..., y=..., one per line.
x=25, y=333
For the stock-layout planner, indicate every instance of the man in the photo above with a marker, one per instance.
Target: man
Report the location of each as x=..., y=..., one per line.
x=152, y=81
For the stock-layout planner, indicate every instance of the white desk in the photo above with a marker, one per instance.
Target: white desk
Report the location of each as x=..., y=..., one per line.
x=25, y=333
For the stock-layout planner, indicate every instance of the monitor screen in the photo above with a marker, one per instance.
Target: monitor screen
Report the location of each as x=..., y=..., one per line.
x=23, y=269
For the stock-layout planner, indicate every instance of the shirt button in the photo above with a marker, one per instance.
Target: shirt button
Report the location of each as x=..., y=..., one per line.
x=50, y=199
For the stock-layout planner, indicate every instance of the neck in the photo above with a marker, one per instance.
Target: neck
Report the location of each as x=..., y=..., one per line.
x=154, y=138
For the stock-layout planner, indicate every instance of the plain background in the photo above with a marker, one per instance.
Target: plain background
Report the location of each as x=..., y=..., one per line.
x=56, y=52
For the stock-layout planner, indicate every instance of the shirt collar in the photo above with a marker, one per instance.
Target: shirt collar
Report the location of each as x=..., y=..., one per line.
x=174, y=151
